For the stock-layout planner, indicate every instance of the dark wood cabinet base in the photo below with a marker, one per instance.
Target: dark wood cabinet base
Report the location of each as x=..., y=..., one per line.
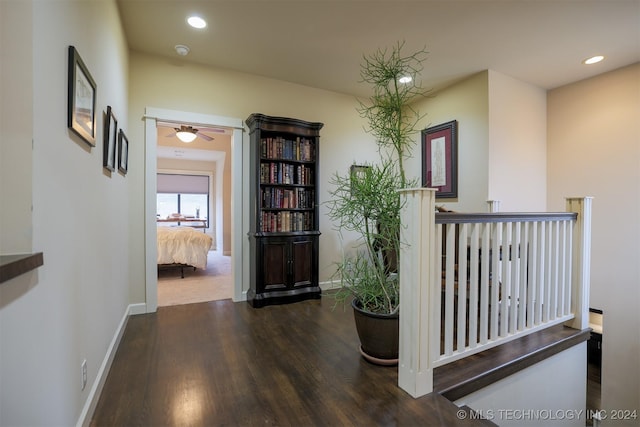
x=283, y=297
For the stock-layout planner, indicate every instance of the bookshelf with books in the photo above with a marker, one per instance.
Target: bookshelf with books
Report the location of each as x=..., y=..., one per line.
x=284, y=229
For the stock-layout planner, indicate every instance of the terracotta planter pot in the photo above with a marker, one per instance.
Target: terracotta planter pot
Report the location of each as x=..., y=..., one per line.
x=379, y=335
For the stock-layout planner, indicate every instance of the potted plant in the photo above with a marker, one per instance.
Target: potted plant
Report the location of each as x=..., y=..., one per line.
x=366, y=202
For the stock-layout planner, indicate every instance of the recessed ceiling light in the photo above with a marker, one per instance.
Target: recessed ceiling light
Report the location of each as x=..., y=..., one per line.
x=196, y=22
x=405, y=79
x=593, y=60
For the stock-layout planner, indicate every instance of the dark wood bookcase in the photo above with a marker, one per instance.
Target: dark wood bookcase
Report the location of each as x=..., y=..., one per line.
x=284, y=229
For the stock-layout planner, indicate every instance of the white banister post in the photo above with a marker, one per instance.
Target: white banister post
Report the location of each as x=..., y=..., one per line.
x=581, y=261
x=494, y=206
x=417, y=291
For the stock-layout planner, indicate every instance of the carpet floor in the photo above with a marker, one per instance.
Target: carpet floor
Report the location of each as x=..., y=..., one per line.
x=211, y=284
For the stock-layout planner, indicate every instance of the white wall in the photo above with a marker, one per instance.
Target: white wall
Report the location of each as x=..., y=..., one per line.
x=501, y=141
x=594, y=150
x=80, y=222
x=550, y=393
x=16, y=117
x=467, y=102
x=517, y=144
x=174, y=85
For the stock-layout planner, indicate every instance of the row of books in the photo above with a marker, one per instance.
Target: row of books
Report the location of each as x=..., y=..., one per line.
x=286, y=221
x=284, y=173
x=280, y=198
x=301, y=149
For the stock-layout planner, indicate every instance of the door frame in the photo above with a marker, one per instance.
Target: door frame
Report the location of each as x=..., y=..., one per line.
x=239, y=223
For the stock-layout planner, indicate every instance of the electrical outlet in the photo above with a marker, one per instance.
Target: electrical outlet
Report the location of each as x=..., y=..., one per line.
x=84, y=373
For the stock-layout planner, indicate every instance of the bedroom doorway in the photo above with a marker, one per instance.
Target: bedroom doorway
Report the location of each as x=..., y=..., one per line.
x=164, y=155
x=191, y=193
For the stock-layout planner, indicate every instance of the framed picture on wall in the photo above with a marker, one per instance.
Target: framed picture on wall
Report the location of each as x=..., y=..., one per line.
x=123, y=152
x=110, y=140
x=357, y=172
x=81, y=99
x=440, y=159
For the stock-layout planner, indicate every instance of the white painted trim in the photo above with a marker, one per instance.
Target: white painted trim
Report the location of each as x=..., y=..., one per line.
x=150, y=223
x=239, y=215
x=240, y=161
x=330, y=284
x=135, y=309
x=174, y=116
x=101, y=377
x=418, y=293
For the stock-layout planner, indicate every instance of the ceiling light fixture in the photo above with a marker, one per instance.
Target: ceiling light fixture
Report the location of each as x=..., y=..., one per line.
x=196, y=22
x=593, y=60
x=186, y=134
x=405, y=79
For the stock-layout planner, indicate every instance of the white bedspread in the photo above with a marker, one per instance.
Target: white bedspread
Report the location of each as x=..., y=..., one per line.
x=183, y=245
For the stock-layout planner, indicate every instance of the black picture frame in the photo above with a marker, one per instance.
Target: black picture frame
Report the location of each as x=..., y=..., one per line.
x=110, y=140
x=123, y=152
x=356, y=172
x=81, y=99
x=440, y=159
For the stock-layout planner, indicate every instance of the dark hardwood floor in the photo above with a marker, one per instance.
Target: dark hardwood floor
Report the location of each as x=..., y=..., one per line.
x=225, y=363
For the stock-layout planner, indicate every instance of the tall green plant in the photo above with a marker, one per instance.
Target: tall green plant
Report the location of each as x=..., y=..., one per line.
x=368, y=203
x=361, y=203
x=390, y=116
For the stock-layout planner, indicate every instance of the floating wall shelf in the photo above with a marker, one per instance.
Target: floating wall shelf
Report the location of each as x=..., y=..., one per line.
x=14, y=265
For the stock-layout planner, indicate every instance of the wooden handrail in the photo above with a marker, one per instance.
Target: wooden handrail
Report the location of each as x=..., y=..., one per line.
x=467, y=218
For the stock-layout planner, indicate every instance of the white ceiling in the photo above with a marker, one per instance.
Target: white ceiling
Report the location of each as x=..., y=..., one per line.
x=320, y=43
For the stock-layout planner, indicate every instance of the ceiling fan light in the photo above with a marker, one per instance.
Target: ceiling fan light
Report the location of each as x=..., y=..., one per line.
x=186, y=136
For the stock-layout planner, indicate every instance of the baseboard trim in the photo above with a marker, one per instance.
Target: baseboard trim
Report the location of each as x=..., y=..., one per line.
x=140, y=308
x=98, y=384
x=330, y=284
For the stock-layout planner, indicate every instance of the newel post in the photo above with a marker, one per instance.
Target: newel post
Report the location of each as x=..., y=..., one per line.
x=418, y=327
x=581, y=261
x=493, y=206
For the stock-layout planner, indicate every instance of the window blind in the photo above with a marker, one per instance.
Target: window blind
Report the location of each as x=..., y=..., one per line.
x=183, y=184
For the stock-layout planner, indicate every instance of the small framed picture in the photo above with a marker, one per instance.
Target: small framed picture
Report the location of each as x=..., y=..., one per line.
x=440, y=159
x=123, y=152
x=81, y=99
x=110, y=140
x=358, y=173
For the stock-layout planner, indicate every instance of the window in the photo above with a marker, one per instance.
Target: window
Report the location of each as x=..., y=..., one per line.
x=167, y=204
x=187, y=195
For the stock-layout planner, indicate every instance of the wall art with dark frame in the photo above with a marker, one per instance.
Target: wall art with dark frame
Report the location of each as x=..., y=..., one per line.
x=440, y=159
x=123, y=152
x=81, y=99
x=110, y=140
x=357, y=172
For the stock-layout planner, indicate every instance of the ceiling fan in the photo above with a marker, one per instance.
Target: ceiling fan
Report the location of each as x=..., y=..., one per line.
x=189, y=133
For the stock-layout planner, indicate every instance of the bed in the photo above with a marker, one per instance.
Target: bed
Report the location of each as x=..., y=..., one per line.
x=183, y=247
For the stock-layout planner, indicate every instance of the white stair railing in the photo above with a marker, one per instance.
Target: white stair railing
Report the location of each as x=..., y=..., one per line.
x=469, y=282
